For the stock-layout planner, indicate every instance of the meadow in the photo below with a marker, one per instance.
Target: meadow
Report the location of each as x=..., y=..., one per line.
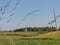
x=29, y=42
x=36, y=42
x=29, y=38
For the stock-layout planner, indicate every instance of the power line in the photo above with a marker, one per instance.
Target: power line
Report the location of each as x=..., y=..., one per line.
x=30, y=13
x=5, y=6
x=10, y=17
x=15, y=5
x=12, y=11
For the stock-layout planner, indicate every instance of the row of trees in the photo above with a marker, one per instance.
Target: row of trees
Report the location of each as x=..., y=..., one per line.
x=37, y=29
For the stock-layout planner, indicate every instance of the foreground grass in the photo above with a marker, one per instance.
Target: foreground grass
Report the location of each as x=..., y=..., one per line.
x=30, y=42
x=36, y=42
x=4, y=42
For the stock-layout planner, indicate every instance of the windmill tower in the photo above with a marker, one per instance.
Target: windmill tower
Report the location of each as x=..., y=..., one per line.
x=54, y=20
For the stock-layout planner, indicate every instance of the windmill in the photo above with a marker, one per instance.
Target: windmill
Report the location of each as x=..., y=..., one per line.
x=55, y=19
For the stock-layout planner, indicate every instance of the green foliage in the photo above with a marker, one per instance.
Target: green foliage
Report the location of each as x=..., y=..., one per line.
x=37, y=29
x=17, y=30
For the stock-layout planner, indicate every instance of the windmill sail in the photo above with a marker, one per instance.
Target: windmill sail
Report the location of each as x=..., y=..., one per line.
x=53, y=20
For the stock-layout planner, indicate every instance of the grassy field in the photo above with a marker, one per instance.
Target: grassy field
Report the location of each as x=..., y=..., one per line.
x=29, y=38
x=36, y=42
x=4, y=42
x=29, y=42
x=54, y=35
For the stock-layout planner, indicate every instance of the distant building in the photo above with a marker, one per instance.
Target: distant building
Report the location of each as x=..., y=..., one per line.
x=26, y=29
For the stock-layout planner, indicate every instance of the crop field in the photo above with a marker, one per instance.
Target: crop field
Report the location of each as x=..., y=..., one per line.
x=29, y=38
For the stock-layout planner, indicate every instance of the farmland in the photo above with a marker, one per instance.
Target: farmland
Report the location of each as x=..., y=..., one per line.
x=29, y=38
x=31, y=22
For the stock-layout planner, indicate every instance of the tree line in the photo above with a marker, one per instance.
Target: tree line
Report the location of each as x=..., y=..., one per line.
x=37, y=29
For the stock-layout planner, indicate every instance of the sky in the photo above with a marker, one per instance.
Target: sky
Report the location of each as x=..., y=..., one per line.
x=36, y=19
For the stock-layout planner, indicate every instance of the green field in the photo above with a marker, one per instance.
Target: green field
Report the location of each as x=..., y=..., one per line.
x=37, y=42
x=29, y=38
x=29, y=42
